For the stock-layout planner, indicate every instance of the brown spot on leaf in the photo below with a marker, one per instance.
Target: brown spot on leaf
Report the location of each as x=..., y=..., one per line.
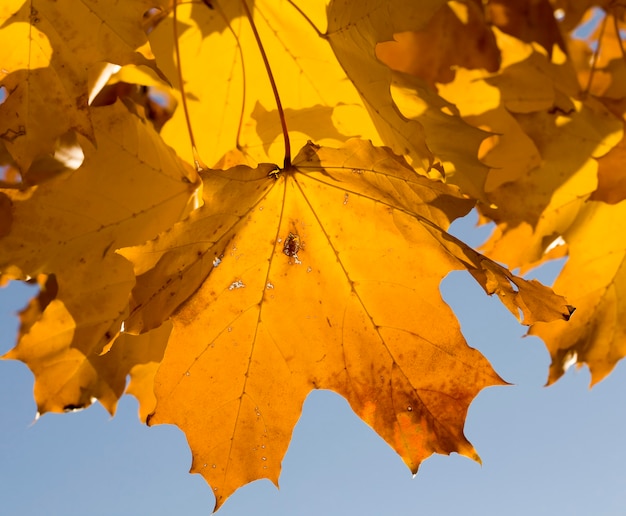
x=291, y=245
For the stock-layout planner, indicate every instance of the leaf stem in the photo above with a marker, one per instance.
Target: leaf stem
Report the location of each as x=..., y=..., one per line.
x=281, y=113
x=619, y=37
x=595, y=56
x=306, y=18
x=196, y=157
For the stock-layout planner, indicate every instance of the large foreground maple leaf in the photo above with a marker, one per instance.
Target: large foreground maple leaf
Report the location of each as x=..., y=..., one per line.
x=322, y=275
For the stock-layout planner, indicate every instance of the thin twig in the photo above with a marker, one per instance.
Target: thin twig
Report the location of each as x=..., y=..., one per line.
x=619, y=37
x=281, y=113
x=596, y=53
x=308, y=20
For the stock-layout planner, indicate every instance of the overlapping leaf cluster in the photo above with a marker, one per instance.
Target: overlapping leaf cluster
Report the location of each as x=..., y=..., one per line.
x=228, y=293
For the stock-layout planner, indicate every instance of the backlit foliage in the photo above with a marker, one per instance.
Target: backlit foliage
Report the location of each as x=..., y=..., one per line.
x=230, y=254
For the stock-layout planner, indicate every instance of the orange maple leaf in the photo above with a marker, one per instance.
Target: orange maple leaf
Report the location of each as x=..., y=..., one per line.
x=323, y=275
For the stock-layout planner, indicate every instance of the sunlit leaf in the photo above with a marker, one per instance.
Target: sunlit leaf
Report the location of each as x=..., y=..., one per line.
x=71, y=226
x=46, y=78
x=594, y=279
x=324, y=275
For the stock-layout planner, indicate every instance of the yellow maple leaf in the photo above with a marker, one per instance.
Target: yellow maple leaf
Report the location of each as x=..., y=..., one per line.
x=323, y=275
x=418, y=58
x=354, y=31
x=231, y=104
x=322, y=102
x=46, y=78
x=538, y=207
x=68, y=379
x=126, y=192
x=594, y=279
x=555, y=149
x=543, y=157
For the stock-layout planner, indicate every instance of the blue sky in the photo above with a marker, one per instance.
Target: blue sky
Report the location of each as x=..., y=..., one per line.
x=556, y=450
